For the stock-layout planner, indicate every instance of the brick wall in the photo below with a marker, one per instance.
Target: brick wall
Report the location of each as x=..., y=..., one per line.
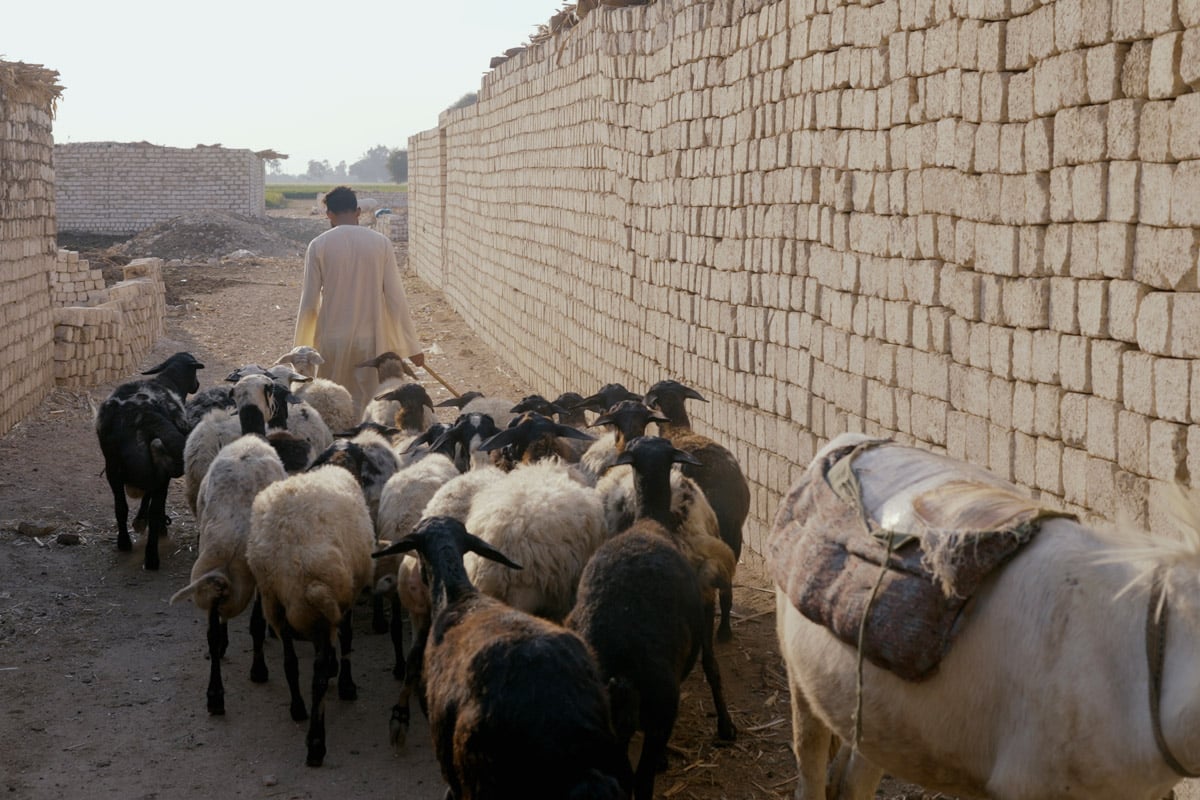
x=59, y=325
x=102, y=334
x=27, y=251
x=117, y=188
x=970, y=225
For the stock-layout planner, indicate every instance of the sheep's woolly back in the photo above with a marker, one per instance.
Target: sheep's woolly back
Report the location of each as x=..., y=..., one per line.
x=544, y=520
x=310, y=547
x=332, y=401
x=498, y=408
x=691, y=513
x=455, y=497
x=306, y=422
x=694, y=526
x=220, y=573
x=599, y=456
x=215, y=429
x=405, y=495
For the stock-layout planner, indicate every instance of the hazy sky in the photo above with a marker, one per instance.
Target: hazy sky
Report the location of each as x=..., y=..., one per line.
x=324, y=81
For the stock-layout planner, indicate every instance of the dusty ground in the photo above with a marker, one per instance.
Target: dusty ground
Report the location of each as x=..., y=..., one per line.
x=102, y=682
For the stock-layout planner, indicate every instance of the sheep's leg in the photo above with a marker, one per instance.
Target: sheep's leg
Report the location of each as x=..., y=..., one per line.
x=324, y=667
x=120, y=508
x=712, y=673
x=397, y=629
x=291, y=670
x=725, y=628
x=401, y=714
x=379, y=622
x=216, y=648
x=346, y=688
x=653, y=760
x=139, y=519
x=158, y=526
x=258, y=633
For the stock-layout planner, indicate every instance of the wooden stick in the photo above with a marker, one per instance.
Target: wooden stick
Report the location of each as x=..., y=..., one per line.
x=439, y=379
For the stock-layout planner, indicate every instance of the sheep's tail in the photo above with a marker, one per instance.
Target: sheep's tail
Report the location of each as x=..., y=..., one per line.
x=716, y=562
x=320, y=598
x=209, y=589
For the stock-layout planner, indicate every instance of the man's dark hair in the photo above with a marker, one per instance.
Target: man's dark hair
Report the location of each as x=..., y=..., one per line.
x=341, y=199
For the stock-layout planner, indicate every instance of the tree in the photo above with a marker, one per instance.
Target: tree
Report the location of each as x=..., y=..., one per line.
x=468, y=99
x=397, y=166
x=319, y=171
x=373, y=166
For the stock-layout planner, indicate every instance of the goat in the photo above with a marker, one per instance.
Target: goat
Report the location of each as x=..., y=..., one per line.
x=142, y=428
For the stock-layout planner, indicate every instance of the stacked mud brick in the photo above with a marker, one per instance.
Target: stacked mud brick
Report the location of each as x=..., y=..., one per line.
x=117, y=188
x=27, y=96
x=967, y=224
x=105, y=340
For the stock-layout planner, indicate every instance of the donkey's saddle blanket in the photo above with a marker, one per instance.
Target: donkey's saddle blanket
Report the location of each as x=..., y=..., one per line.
x=900, y=536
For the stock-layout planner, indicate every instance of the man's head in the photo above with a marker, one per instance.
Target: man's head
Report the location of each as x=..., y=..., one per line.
x=341, y=203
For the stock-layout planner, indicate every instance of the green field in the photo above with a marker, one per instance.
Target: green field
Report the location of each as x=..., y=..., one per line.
x=309, y=191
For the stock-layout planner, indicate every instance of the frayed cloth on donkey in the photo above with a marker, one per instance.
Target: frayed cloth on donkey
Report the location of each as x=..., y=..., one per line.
x=888, y=532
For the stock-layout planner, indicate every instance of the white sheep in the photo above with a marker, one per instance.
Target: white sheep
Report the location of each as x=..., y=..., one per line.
x=329, y=398
x=393, y=372
x=221, y=582
x=500, y=409
x=309, y=550
x=296, y=442
x=541, y=515
x=401, y=503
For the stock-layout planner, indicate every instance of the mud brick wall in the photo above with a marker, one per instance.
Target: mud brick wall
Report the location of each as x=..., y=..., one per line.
x=27, y=250
x=74, y=282
x=106, y=339
x=966, y=224
x=118, y=189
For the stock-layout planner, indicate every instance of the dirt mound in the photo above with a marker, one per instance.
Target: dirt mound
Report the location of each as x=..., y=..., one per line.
x=204, y=235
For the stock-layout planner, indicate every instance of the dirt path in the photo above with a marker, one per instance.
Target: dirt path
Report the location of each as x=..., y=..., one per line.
x=102, y=682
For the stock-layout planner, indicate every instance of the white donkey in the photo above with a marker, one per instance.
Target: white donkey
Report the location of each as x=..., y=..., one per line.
x=1061, y=683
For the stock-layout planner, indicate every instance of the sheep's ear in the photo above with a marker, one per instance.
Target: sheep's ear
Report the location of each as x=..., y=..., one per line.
x=683, y=457
x=624, y=457
x=567, y=432
x=430, y=436
x=603, y=419
x=659, y=417
x=286, y=358
x=412, y=541
x=502, y=439
x=473, y=544
x=591, y=403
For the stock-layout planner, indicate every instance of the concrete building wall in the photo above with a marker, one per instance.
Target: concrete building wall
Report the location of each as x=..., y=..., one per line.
x=970, y=225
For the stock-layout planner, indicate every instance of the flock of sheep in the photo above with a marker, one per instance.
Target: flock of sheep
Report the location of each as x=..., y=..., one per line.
x=561, y=577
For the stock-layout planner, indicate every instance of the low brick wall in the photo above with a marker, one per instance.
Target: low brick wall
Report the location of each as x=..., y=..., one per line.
x=105, y=341
x=117, y=188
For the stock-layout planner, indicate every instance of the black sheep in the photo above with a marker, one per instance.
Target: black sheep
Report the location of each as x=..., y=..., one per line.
x=142, y=428
x=641, y=608
x=516, y=706
x=717, y=473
